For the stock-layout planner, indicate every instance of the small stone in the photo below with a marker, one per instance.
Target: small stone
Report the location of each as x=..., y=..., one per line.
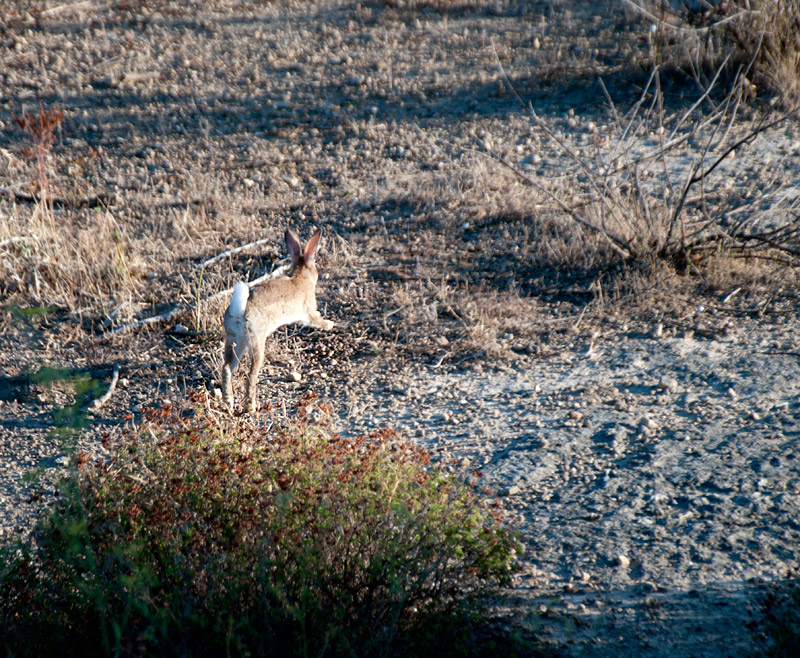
x=754, y=415
x=575, y=415
x=217, y=393
x=647, y=423
x=623, y=561
x=293, y=376
x=620, y=441
x=732, y=394
x=513, y=490
x=658, y=330
x=181, y=329
x=442, y=341
x=669, y=384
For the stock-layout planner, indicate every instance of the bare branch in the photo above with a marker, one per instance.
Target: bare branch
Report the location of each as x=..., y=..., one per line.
x=231, y=252
x=99, y=402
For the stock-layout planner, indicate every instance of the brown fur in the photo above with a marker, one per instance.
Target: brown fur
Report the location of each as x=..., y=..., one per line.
x=272, y=304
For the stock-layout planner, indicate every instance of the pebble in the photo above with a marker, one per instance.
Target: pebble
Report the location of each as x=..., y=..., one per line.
x=293, y=376
x=623, y=561
x=669, y=384
x=647, y=423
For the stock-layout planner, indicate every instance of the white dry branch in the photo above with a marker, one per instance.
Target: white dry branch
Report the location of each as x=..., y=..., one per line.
x=231, y=252
x=73, y=6
x=167, y=315
x=21, y=238
x=99, y=402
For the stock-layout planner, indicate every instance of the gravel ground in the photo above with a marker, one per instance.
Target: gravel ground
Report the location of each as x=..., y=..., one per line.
x=645, y=445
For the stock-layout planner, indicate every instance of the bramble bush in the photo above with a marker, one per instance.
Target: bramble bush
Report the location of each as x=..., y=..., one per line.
x=206, y=537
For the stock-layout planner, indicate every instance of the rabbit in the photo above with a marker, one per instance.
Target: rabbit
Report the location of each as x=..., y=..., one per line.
x=255, y=314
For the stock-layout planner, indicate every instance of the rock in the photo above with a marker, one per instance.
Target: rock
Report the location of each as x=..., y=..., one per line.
x=620, y=441
x=669, y=384
x=293, y=376
x=623, y=561
x=648, y=424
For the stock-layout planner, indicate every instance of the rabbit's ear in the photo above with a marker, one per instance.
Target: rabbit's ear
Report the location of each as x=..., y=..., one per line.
x=311, y=247
x=293, y=245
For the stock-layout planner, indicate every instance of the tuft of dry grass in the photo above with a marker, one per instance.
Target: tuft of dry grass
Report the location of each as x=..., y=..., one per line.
x=40, y=128
x=758, y=37
x=766, y=32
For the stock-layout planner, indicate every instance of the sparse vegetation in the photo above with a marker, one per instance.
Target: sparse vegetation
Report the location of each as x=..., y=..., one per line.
x=40, y=129
x=199, y=538
x=766, y=33
x=509, y=288
x=759, y=37
x=625, y=191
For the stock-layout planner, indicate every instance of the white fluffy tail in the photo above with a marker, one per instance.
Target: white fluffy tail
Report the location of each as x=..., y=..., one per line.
x=241, y=292
x=235, y=325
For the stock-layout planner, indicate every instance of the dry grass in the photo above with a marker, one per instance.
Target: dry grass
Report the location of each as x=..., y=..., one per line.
x=759, y=37
x=766, y=32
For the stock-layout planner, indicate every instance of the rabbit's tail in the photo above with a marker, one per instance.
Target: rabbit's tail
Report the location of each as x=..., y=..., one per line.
x=241, y=292
x=235, y=324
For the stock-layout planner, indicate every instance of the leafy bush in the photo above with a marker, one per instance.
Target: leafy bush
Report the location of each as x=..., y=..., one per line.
x=204, y=539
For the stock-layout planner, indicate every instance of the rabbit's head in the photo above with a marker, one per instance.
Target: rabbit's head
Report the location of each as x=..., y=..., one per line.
x=303, y=258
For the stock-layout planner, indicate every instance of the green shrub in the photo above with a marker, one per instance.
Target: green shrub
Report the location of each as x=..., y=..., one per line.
x=199, y=539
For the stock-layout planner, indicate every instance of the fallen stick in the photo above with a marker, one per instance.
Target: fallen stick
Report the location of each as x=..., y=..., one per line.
x=69, y=7
x=132, y=77
x=22, y=238
x=230, y=252
x=99, y=402
x=163, y=317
